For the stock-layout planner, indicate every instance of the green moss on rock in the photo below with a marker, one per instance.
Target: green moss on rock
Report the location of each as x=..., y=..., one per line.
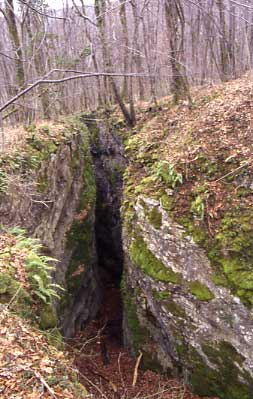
x=150, y=265
x=42, y=183
x=225, y=379
x=11, y=289
x=81, y=234
x=175, y=309
x=155, y=217
x=48, y=317
x=234, y=252
x=138, y=333
x=161, y=295
x=200, y=291
x=167, y=202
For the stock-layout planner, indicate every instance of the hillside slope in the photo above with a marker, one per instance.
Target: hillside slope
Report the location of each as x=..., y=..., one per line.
x=31, y=366
x=188, y=286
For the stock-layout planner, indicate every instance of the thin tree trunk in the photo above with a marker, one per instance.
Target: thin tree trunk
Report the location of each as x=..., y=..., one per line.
x=175, y=27
x=16, y=43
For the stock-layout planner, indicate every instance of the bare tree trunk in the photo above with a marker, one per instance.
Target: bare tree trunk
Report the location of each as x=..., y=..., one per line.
x=149, y=61
x=224, y=53
x=16, y=43
x=175, y=27
x=33, y=24
x=123, y=20
x=136, y=51
x=83, y=15
x=100, y=10
x=232, y=25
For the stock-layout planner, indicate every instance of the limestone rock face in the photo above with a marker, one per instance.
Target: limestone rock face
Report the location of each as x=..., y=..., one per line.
x=56, y=203
x=176, y=314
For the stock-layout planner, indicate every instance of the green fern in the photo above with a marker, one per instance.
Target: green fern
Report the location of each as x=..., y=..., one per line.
x=165, y=172
x=198, y=207
x=3, y=182
x=37, y=265
x=44, y=290
x=16, y=231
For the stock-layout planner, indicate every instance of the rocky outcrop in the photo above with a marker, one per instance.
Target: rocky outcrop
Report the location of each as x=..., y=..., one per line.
x=55, y=201
x=193, y=324
x=187, y=238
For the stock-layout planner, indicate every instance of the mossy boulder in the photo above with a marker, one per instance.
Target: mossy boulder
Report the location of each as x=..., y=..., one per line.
x=149, y=264
x=48, y=317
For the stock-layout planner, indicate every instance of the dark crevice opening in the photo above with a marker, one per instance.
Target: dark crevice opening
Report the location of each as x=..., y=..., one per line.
x=109, y=163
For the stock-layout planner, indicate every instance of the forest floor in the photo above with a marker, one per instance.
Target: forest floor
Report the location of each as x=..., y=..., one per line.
x=109, y=371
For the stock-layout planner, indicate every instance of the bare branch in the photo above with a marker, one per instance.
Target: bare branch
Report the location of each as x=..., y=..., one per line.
x=82, y=14
x=40, y=12
x=50, y=81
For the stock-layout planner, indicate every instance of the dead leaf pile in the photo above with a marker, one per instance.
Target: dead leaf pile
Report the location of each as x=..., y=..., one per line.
x=29, y=367
x=14, y=138
x=12, y=259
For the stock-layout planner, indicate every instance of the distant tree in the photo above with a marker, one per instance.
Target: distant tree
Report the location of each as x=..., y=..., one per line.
x=10, y=18
x=34, y=25
x=175, y=21
x=100, y=11
x=224, y=44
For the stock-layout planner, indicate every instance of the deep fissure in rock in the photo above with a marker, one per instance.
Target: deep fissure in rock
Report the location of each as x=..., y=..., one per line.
x=109, y=163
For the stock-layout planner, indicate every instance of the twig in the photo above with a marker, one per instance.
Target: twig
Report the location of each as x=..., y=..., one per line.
x=109, y=382
x=42, y=202
x=9, y=304
x=232, y=172
x=45, y=384
x=136, y=369
x=93, y=338
x=155, y=394
x=91, y=383
x=120, y=372
x=42, y=13
x=183, y=393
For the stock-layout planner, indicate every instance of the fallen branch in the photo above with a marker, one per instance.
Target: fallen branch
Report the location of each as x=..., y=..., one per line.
x=7, y=307
x=43, y=381
x=136, y=369
x=233, y=171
